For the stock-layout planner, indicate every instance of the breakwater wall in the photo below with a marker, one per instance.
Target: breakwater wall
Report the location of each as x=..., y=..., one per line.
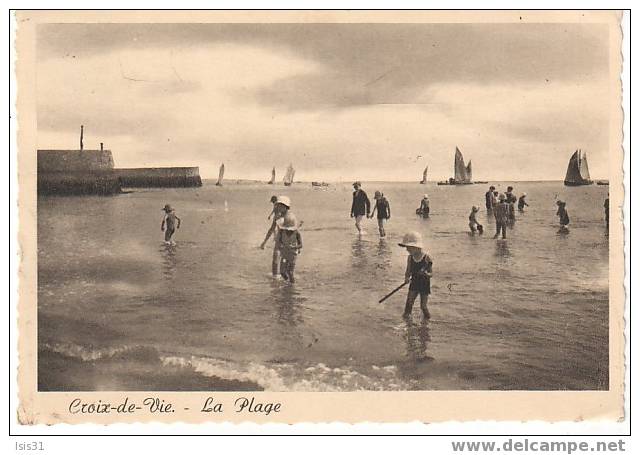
x=87, y=172
x=159, y=177
x=74, y=161
x=77, y=173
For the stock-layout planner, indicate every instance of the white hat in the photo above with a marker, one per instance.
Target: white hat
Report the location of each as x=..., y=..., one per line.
x=412, y=239
x=524, y=194
x=284, y=200
x=289, y=222
x=425, y=196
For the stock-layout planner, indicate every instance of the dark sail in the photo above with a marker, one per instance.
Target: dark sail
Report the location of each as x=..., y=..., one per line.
x=273, y=176
x=220, y=175
x=578, y=170
x=460, y=170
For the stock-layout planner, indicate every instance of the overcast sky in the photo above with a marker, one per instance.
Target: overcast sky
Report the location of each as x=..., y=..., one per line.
x=339, y=101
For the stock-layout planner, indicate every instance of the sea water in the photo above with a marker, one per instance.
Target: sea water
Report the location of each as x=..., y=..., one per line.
x=118, y=309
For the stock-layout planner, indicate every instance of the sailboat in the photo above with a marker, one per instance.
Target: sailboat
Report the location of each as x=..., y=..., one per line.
x=288, y=176
x=578, y=170
x=424, y=176
x=220, y=175
x=273, y=176
x=461, y=173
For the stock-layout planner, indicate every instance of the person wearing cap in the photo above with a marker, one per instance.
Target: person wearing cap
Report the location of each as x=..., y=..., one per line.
x=522, y=203
x=418, y=273
x=424, y=208
x=488, y=196
x=360, y=206
x=563, y=215
x=473, y=223
x=502, y=217
x=169, y=219
x=280, y=208
x=289, y=243
x=383, y=209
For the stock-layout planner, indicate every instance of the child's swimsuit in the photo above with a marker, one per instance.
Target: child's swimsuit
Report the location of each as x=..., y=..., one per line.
x=419, y=281
x=382, y=208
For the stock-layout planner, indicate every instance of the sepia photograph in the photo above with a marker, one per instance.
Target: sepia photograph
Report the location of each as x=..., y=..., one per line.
x=327, y=204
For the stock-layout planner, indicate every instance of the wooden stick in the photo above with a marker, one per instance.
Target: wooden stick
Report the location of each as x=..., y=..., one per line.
x=393, y=292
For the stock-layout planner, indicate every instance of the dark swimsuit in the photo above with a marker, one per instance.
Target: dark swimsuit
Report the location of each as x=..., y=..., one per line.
x=419, y=281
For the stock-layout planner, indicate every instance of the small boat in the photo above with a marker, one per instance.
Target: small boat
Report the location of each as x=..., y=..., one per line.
x=273, y=177
x=578, y=170
x=220, y=175
x=424, y=176
x=462, y=173
x=319, y=184
x=602, y=182
x=288, y=176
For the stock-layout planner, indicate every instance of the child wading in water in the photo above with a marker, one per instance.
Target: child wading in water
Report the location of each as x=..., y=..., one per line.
x=384, y=211
x=522, y=203
x=418, y=273
x=563, y=215
x=289, y=243
x=473, y=223
x=169, y=219
x=424, y=208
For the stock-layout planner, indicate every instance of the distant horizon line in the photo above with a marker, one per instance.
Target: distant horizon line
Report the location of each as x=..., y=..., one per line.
x=387, y=181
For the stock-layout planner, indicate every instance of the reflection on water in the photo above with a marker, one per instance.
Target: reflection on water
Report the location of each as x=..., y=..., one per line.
x=287, y=300
x=502, y=250
x=169, y=260
x=417, y=338
x=358, y=254
x=383, y=253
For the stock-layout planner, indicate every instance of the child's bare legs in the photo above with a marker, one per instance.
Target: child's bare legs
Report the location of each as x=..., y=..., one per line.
x=424, y=298
x=381, y=227
x=275, y=260
x=283, y=268
x=168, y=234
x=411, y=297
x=291, y=266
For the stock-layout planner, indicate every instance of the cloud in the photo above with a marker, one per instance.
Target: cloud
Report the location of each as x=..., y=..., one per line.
x=337, y=100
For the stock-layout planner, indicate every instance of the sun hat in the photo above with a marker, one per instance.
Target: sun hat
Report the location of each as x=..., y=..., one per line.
x=559, y=202
x=502, y=197
x=284, y=200
x=167, y=208
x=412, y=239
x=425, y=196
x=289, y=222
x=524, y=194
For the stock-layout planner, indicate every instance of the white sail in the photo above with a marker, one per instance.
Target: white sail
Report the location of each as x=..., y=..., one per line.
x=424, y=175
x=288, y=176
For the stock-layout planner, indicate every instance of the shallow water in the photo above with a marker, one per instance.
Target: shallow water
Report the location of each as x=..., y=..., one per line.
x=118, y=309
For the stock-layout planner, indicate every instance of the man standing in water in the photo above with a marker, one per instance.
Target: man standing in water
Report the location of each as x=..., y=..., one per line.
x=502, y=216
x=488, y=196
x=280, y=209
x=511, y=200
x=360, y=205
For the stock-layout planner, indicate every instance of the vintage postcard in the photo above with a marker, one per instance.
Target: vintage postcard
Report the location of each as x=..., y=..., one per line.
x=320, y=216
